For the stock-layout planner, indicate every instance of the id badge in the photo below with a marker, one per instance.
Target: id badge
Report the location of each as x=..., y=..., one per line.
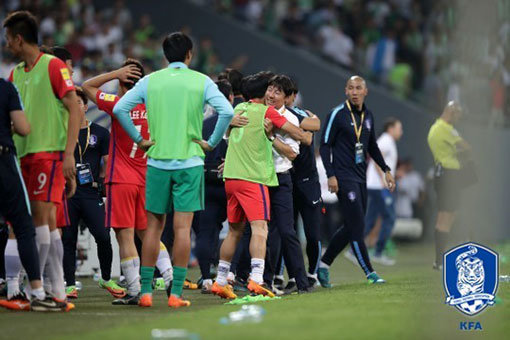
x=359, y=156
x=84, y=174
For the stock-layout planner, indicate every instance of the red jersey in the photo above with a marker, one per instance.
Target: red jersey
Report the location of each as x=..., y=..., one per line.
x=126, y=163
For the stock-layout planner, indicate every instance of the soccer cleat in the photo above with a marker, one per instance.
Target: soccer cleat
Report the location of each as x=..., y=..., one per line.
x=373, y=278
x=113, y=288
x=307, y=290
x=290, y=288
x=145, y=300
x=276, y=291
x=17, y=302
x=177, y=302
x=127, y=300
x=239, y=285
x=49, y=304
x=323, y=277
x=259, y=289
x=122, y=282
x=278, y=283
x=207, y=287
x=189, y=285
x=224, y=292
x=312, y=281
x=159, y=284
x=383, y=259
x=71, y=292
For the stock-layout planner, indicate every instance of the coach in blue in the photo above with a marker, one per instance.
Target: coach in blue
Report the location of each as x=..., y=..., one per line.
x=347, y=139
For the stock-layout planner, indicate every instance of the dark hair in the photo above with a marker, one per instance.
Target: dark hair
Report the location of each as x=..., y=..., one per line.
x=389, y=123
x=81, y=94
x=138, y=64
x=254, y=86
x=234, y=77
x=61, y=53
x=176, y=46
x=295, y=88
x=24, y=24
x=283, y=83
x=224, y=87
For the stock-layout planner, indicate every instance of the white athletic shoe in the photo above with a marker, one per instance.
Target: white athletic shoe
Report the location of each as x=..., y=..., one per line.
x=383, y=259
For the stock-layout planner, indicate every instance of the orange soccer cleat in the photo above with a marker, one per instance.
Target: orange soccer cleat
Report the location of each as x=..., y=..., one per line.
x=177, y=302
x=259, y=289
x=145, y=300
x=224, y=292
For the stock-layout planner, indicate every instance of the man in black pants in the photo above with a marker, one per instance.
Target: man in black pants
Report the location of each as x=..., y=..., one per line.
x=15, y=207
x=306, y=190
x=281, y=227
x=87, y=204
x=349, y=136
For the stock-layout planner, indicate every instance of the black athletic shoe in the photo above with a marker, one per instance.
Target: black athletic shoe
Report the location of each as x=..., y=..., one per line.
x=290, y=288
x=311, y=281
x=307, y=290
x=49, y=304
x=240, y=285
x=128, y=300
x=278, y=283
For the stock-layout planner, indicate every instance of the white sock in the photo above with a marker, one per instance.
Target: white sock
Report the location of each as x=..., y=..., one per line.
x=46, y=278
x=323, y=265
x=55, y=266
x=12, y=267
x=313, y=276
x=164, y=265
x=231, y=277
x=43, y=240
x=207, y=282
x=38, y=293
x=131, y=269
x=280, y=277
x=223, y=271
x=292, y=280
x=257, y=270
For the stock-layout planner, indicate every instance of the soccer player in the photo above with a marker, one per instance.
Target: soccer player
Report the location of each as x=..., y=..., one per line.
x=47, y=153
x=447, y=147
x=175, y=98
x=381, y=201
x=87, y=204
x=306, y=191
x=249, y=170
x=348, y=138
x=125, y=179
x=281, y=229
x=14, y=205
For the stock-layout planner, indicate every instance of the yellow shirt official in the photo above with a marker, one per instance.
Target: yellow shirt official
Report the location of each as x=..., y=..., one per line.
x=442, y=141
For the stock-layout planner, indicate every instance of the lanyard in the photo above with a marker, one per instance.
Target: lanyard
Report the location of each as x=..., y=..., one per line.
x=357, y=130
x=86, y=144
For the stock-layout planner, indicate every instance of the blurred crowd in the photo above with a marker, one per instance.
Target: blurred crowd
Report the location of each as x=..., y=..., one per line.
x=404, y=44
x=101, y=39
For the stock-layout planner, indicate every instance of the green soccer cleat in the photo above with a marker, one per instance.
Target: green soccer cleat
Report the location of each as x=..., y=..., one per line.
x=159, y=284
x=71, y=292
x=373, y=278
x=113, y=288
x=323, y=277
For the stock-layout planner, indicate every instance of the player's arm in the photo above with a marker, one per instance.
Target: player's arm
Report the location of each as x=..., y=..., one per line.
x=375, y=153
x=70, y=101
x=217, y=100
x=284, y=149
x=123, y=74
x=310, y=123
x=20, y=124
x=104, y=153
x=327, y=141
x=121, y=111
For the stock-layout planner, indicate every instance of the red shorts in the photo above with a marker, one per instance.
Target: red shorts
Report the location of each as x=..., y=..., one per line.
x=246, y=201
x=62, y=213
x=125, y=206
x=44, y=176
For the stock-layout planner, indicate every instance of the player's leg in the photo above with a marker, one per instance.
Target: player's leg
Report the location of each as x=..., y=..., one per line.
x=94, y=218
x=444, y=223
x=388, y=221
x=120, y=215
x=311, y=214
x=374, y=209
x=69, y=240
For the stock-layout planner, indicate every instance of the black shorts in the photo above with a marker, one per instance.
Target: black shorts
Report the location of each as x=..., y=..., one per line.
x=448, y=190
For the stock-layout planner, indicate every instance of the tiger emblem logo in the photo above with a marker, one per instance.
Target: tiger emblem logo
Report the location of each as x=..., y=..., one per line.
x=470, y=277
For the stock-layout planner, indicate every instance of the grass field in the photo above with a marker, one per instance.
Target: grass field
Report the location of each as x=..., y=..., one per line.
x=409, y=306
